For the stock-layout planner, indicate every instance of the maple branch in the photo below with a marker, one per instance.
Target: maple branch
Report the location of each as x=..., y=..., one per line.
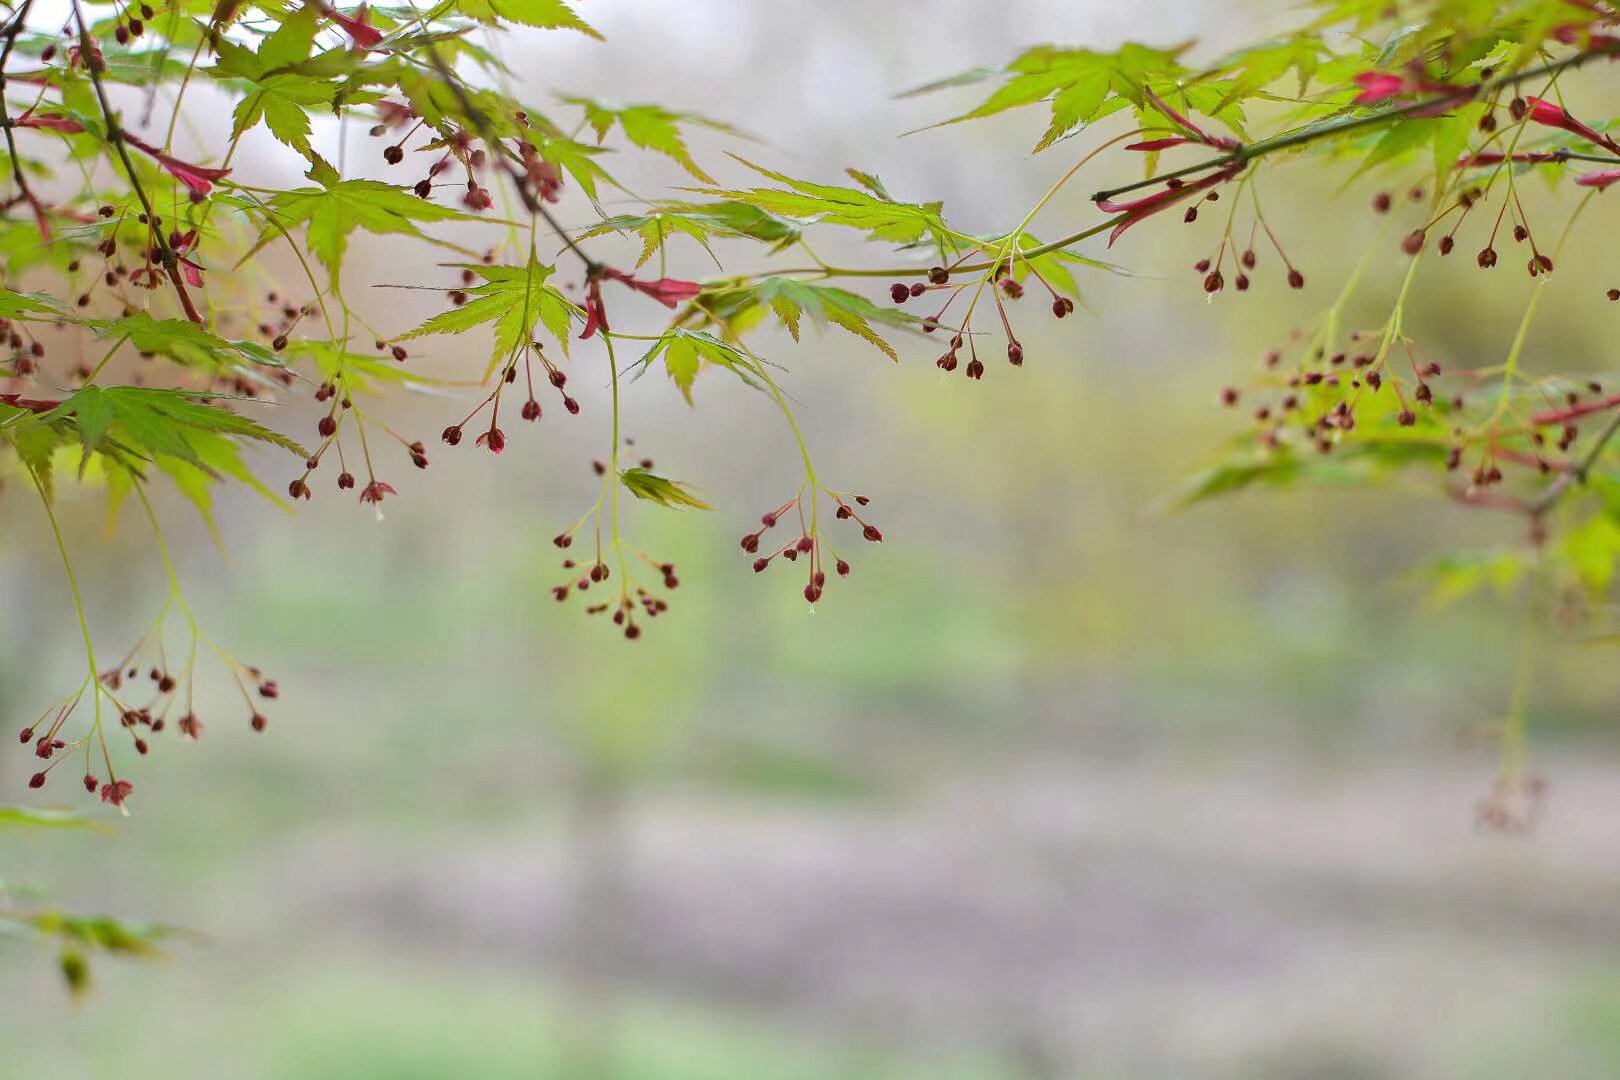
x=487, y=131
x=1578, y=472
x=968, y=268
x=115, y=136
x=1309, y=134
x=1560, y=416
x=10, y=33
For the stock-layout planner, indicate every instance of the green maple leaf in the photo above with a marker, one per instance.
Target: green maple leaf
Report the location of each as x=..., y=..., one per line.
x=577, y=159
x=684, y=351
x=700, y=221
x=651, y=127
x=154, y=423
x=16, y=305
x=661, y=490
x=791, y=300
x=1082, y=86
x=514, y=298
x=868, y=208
x=193, y=442
x=337, y=208
x=545, y=14
x=184, y=342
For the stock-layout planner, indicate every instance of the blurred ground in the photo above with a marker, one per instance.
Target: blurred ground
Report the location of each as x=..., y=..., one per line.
x=1058, y=785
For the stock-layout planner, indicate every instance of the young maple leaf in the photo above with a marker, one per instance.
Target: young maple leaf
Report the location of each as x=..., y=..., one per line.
x=199, y=178
x=514, y=298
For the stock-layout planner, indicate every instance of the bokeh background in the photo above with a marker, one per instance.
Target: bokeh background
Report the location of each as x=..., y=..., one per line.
x=1059, y=784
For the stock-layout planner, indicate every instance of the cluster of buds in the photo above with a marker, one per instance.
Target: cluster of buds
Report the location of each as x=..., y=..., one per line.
x=1322, y=397
x=1514, y=805
x=458, y=149
x=1004, y=284
x=1211, y=270
x=493, y=438
x=148, y=696
x=339, y=413
x=25, y=351
x=632, y=598
x=810, y=542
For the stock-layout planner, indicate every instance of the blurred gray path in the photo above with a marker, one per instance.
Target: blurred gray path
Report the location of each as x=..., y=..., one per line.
x=1120, y=921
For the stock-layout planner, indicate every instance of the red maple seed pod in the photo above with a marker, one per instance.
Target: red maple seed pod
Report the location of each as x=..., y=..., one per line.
x=812, y=593
x=1520, y=233
x=562, y=540
x=25, y=736
x=393, y=155
x=750, y=543
x=398, y=352
x=1613, y=294
x=1446, y=244
x=419, y=459
x=1202, y=266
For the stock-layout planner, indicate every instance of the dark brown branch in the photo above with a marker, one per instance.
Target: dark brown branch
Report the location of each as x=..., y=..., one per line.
x=1578, y=472
x=1345, y=125
x=14, y=28
x=89, y=57
x=487, y=131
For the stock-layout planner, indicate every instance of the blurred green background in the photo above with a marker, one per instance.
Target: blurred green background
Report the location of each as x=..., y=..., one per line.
x=1058, y=784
